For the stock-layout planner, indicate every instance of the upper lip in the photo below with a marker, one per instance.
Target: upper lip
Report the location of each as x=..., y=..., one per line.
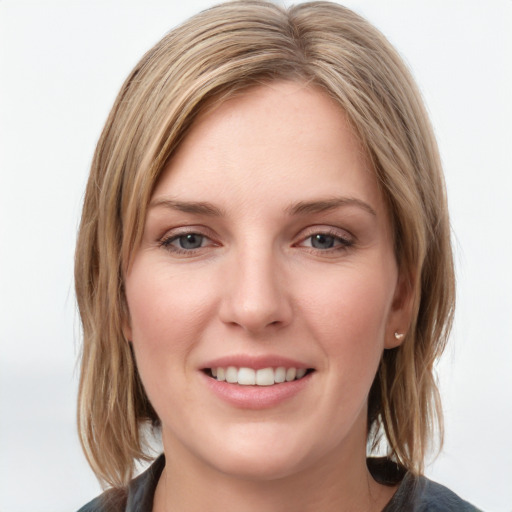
x=255, y=362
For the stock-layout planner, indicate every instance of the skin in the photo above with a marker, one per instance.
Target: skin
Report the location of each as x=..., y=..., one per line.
x=258, y=281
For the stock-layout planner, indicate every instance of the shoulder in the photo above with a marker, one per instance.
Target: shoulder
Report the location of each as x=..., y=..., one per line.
x=419, y=494
x=415, y=493
x=136, y=497
x=113, y=500
x=434, y=497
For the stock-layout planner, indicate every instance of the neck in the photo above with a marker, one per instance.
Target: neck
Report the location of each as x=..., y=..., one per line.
x=332, y=484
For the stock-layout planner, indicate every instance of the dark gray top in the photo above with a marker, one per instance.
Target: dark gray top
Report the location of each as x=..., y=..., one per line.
x=415, y=494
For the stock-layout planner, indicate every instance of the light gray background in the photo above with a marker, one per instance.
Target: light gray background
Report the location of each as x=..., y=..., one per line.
x=61, y=65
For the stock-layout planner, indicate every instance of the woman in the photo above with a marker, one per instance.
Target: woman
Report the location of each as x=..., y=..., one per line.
x=264, y=271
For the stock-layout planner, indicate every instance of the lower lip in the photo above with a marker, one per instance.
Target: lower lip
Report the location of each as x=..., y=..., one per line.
x=256, y=397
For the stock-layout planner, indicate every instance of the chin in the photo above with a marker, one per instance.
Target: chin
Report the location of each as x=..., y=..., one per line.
x=261, y=454
x=261, y=467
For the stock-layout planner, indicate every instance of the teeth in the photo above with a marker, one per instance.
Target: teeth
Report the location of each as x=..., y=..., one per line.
x=231, y=375
x=280, y=375
x=291, y=373
x=300, y=373
x=246, y=377
x=263, y=377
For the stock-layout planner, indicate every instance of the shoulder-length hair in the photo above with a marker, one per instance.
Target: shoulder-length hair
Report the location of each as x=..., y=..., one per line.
x=218, y=53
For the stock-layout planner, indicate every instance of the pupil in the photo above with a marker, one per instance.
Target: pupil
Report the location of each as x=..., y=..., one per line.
x=322, y=241
x=191, y=241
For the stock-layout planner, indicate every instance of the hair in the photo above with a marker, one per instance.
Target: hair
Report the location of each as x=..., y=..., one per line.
x=216, y=54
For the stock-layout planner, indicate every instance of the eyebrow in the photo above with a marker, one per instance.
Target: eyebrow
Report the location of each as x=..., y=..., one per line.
x=324, y=205
x=199, y=208
x=300, y=208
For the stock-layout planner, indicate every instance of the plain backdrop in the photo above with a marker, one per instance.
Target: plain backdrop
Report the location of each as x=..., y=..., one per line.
x=61, y=65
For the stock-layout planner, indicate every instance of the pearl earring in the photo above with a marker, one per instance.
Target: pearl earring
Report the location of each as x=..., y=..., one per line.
x=399, y=335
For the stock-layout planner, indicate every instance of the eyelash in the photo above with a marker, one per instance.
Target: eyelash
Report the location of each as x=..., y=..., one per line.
x=343, y=243
x=167, y=241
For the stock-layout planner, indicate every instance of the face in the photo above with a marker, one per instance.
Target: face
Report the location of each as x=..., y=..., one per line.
x=265, y=288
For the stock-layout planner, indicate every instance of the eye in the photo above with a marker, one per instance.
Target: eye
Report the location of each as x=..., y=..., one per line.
x=186, y=243
x=322, y=241
x=326, y=241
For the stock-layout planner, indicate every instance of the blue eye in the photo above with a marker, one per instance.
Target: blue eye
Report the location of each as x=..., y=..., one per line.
x=322, y=241
x=189, y=241
x=326, y=242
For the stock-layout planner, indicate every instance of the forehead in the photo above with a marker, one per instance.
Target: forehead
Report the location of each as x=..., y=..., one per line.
x=276, y=141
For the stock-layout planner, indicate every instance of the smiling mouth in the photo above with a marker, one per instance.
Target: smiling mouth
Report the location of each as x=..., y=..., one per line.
x=263, y=377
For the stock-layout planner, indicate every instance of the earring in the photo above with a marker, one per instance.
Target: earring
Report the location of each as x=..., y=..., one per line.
x=399, y=335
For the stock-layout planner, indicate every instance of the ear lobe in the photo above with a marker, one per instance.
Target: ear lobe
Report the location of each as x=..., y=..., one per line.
x=127, y=331
x=401, y=311
x=126, y=326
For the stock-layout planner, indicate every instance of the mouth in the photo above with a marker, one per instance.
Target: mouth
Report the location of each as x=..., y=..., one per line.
x=244, y=376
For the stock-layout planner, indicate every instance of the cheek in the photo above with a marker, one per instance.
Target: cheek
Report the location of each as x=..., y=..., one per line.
x=167, y=316
x=348, y=313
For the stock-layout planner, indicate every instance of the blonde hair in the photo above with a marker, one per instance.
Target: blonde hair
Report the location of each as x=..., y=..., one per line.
x=220, y=52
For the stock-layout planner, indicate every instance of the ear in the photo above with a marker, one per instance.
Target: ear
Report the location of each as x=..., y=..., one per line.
x=127, y=330
x=126, y=325
x=400, y=315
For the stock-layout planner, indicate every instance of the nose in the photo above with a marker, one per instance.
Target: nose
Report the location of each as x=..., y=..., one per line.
x=256, y=297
